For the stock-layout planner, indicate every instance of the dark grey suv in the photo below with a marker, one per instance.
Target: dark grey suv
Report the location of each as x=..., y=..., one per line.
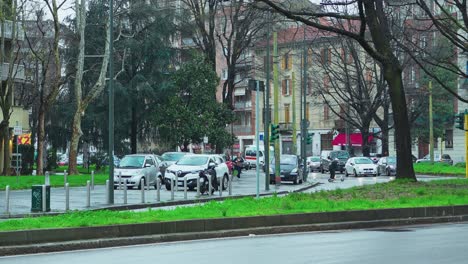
x=341, y=155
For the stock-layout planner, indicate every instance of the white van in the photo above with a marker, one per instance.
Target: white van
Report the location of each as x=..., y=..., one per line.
x=250, y=154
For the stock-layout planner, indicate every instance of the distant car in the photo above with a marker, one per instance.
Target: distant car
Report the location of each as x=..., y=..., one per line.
x=313, y=163
x=172, y=157
x=190, y=166
x=445, y=158
x=360, y=166
x=133, y=168
x=79, y=160
x=386, y=166
x=290, y=169
x=341, y=155
x=375, y=157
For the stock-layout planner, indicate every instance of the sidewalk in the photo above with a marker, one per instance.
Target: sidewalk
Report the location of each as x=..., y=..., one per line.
x=20, y=201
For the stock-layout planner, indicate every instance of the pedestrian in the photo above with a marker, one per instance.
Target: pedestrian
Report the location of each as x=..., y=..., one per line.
x=333, y=167
x=238, y=163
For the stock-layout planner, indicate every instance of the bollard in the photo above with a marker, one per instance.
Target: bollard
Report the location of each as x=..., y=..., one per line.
x=65, y=180
x=142, y=184
x=210, y=188
x=198, y=186
x=92, y=180
x=185, y=187
x=120, y=180
x=220, y=186
x=158, y=190
x=44, y=203
x=176, y=180
x=172, y=189
x=7, y=199
x=67, y=196
x=47, y=178
x=125, y=192
x=88, y=194
x=107, y=192
x=230, y=185
x=147, y=184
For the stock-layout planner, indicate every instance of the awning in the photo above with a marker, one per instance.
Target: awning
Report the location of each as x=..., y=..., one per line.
x=356, y=139
x=239, y=91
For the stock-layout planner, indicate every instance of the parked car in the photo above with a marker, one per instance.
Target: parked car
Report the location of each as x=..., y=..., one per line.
x=313, y=163
x=190, y=166
x=386, y=166
x=341, y=155
x=375, y=157
x=290, y=169
x=360, y=166
x=445, y=158
x=172, y=157
x=135, y=167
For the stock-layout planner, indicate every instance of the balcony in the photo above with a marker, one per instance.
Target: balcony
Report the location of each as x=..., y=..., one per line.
x=242, y=129
x=18, y=71
x=243, y=105
x=9, y=30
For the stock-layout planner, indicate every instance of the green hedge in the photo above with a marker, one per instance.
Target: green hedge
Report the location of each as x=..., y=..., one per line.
x=438, y=169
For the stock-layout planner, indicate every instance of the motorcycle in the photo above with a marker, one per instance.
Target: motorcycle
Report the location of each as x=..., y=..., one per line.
x=204, y=182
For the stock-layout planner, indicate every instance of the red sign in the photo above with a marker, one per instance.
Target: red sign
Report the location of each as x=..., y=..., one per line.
x=24, y=139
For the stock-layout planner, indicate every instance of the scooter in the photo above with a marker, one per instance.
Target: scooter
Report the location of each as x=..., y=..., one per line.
x=204, y=182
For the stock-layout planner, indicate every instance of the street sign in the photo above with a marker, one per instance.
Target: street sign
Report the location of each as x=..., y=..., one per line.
x=205, y=140
x=18, y=130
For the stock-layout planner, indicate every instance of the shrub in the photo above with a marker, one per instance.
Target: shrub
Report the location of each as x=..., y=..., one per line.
x=460, y=165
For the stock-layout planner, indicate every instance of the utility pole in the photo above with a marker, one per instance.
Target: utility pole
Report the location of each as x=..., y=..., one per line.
x=304, y=115
x=276, y=104
x=294, y=128
x=111, y=103
x=431, y=125
x=267, y=121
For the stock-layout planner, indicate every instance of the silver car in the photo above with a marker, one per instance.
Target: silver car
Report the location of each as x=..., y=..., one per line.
x=314, y=163
x=133, y=168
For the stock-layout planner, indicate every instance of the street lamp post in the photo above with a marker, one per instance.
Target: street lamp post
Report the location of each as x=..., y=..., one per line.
x=111, y=104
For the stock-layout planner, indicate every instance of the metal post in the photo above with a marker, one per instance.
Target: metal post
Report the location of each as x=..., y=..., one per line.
x=185, y=187
x=142, y=184
x=210, y=188
x=220, y=186
x=67, y=196
x=276, y=105
x=158, y=190
x=230, y=185
x=294, y=119
x=44, y=196
x=304, y=115
x=7, y=199
x=466, y=142
x=257, y=135
x=111, y=100
x=125, y=192
x=65, y=180
x=148, y=184
x=88, y=194
x=198, y=186
x=92, y=180
x=266, y=136
x=431, y=126
x=47, y=178
x=172, y=189
x=107, y=191
x=120, y=181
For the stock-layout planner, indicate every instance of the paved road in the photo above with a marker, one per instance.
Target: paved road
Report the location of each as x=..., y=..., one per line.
x=20, y=201
x=424, y=244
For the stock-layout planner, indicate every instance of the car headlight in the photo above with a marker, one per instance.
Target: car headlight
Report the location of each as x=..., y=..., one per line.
x=294, y=171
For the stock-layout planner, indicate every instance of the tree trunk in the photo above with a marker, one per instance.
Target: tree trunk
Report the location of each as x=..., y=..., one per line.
x=365, y=142
x=133, y=132
x=40, y=140
x=74, y=142
x=402, y=128
x=6, y=148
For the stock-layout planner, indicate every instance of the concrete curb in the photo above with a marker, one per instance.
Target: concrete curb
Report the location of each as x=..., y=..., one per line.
x=152, y=239
x=164, y=204
x=39, y=236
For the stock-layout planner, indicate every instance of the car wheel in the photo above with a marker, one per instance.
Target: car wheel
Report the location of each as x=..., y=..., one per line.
x=346, y=173
x=168, y=185
x=144, y=183
x=115, y=187
x=204, y=185
x=156, y=182
x=341, y=172
x=321, y=170
x=355, y=174
x=225, y=182
x=295, y=182
x=388, y=172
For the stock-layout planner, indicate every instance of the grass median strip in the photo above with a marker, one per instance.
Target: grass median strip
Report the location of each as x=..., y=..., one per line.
x=438, y=168
x=396, y=194
x=25, y=182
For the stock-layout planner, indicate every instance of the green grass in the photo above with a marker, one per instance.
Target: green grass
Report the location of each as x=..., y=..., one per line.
x=396, y=194
x=438, y=169
x=81, y=169
x=25, y=182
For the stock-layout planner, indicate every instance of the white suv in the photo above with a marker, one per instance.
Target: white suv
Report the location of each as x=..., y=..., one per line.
x=190, y=166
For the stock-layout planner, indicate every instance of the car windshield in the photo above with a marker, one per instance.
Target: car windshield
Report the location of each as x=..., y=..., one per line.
x=391, y=160
x=363, y=161
x=286, y=160
x=172, y=156
x=315, y=159
x=339, y=155
x=192, y=161
x=132, y=162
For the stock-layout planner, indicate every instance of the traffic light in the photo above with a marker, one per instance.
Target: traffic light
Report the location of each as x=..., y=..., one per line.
x=274, y=132
x=309, y=138
x=460, y=121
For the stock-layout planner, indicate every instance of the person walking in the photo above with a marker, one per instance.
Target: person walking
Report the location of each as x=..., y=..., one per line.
x=238, y=164
x=333, y=167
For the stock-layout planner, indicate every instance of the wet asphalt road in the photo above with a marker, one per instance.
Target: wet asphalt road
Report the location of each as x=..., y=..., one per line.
x=444, y=243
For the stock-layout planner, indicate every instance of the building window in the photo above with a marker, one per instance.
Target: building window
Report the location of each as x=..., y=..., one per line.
x=449, y=139
x=326, y=83
x=310, y=55
x=286, y=113
x=286, y=86
x=325, y=56
x=326, y=141
x=286, y=62
x=326, y=112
